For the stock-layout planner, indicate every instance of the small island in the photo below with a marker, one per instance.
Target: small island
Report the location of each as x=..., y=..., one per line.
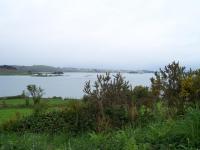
x=46, y=74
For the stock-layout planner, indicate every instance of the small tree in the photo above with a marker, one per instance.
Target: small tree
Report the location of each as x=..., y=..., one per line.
x=111, y=96
x=108, y=91
x=36, y=93
x=168, y=84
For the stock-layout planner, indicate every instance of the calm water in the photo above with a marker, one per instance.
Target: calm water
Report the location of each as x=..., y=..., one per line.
x=70, y=85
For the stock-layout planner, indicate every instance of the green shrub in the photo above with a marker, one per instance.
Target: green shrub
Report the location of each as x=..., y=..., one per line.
x=40, y=108
x=140, y=92
x=118, y=116
x=187, y=130
x=183, y=133
x=80, y=117
x=111, y=96
x=76, y=118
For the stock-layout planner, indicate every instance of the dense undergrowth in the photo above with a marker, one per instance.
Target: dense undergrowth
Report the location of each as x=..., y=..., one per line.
x=180, y=133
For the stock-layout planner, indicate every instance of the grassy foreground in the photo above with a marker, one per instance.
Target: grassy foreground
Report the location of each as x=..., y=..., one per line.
x=177, y=133
x=182, y=133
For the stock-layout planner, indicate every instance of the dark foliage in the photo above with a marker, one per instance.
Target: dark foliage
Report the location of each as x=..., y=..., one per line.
x=112, y=98
x=168, y=84
x=77, y=118
x=8, y=67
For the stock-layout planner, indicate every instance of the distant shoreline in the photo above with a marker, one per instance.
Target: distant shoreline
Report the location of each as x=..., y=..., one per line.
x=37, y=69
x=50, y=74
x=26, y=74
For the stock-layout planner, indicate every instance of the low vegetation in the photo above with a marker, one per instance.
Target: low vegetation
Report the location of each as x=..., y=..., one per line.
x=113, y=115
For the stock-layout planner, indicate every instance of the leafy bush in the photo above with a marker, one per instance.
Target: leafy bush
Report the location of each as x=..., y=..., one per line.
x=143, y=98
x=187, y=130
x=182, y=133
x=40, y=108
x=76, y=118
x=111, y=96
x=140, y=92
x=191, y=88
x=118, y=116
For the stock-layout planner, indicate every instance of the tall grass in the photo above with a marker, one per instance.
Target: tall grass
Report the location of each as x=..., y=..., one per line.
x=180, y=133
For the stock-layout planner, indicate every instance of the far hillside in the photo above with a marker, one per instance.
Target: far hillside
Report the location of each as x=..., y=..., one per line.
x=15, y=69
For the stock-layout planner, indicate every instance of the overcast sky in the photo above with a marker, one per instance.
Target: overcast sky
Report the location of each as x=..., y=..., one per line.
x=120, y=34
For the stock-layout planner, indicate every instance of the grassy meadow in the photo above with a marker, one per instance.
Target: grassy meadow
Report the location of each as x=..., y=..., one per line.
x=9, y=113
x=10, y=108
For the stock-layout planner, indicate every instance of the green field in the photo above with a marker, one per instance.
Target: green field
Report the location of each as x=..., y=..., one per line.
x=9, y=108
x=14, y=102
x=9, y=113
x=21, y=101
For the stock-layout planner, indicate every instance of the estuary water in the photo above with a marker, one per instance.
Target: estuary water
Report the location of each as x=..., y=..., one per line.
x=70, y=85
